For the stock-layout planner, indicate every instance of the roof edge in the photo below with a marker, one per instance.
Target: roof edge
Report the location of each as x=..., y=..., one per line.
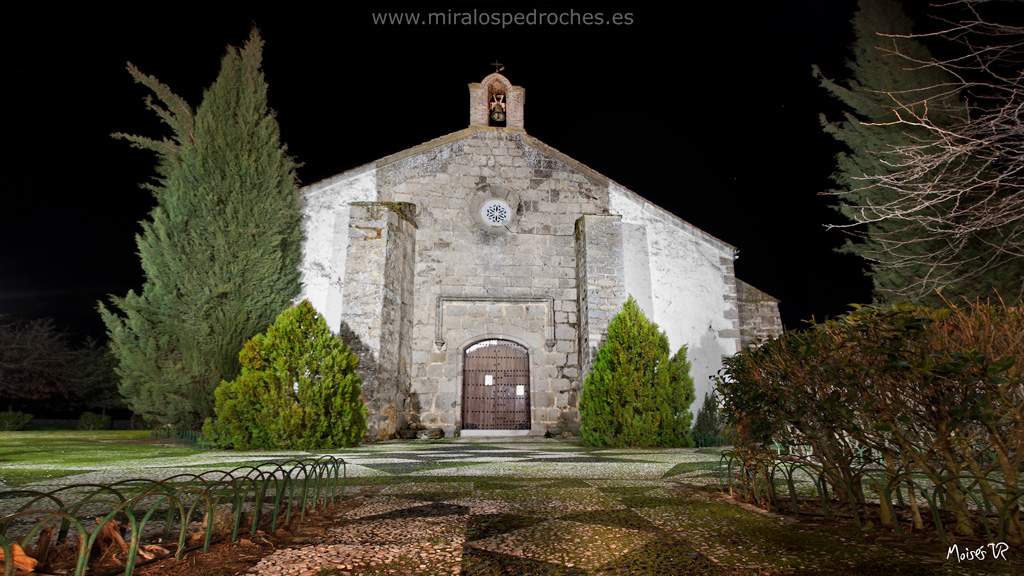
x=593, y=175
x=758, y=290
x=675, y=217
x=396, y=157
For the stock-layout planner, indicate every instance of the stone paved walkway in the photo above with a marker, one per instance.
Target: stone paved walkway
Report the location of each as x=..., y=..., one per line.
x=533, y=459
x=536, y=459
x=538, y=507
x=572, y=527
x=486, y=526
x=520, y=459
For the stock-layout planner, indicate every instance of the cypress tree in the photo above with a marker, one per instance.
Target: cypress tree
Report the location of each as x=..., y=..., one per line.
x=874, y=74
x=674, y=404
x=220, y=250
x=635, y=395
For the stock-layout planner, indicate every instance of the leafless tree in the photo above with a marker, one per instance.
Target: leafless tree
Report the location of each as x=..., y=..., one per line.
x=952, y=197
x=39, y=363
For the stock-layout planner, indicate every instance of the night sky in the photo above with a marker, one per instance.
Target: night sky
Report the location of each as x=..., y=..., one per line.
x=710, y=112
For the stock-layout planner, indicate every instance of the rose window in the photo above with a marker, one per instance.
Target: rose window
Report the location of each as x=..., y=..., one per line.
x=496, y=212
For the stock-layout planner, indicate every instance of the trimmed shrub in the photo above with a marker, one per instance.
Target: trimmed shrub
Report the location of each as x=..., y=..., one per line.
x=13, y=420
x=635, y=395
x=93, y=421
x=298, y=389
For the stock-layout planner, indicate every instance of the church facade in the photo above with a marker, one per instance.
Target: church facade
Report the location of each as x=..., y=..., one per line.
x=475, y=276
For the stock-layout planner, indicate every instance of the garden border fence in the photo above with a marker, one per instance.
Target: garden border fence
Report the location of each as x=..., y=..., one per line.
x=268, y=494
x=759, y=481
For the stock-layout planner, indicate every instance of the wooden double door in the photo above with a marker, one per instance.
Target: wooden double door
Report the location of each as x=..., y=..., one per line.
x=496, y=386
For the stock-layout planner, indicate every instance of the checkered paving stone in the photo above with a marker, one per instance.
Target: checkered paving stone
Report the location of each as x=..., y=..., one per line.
x=371, y=461
x=552, y=469
x=571, y=544
x=502, y=526
x=424, y=557
x=480, y=459
x=542, y=508
x=480, y=506
x=494, y=526
x=620, y=483
x=398, y=530
x=401, y=461
x=446, y=462
x=508, y=509
x=556, y=502
x=382, y=505
x=413, y=488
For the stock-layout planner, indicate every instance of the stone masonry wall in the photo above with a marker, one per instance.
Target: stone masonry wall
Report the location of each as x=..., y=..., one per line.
x=601, y=283
x=429, y=291
x=758, y=313
x=325, y=214
x=516, y=281
x=379, y=298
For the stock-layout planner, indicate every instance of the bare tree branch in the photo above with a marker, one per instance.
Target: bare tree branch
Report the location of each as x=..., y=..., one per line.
x=953, y=195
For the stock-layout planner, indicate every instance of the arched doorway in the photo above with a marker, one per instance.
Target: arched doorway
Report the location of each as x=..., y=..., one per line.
x=496, y=386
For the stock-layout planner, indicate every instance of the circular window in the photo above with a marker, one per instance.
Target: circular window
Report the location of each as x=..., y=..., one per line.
x=496, y=212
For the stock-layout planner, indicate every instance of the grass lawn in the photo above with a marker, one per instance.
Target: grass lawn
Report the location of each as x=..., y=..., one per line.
x=27, y=457
x=84, y=448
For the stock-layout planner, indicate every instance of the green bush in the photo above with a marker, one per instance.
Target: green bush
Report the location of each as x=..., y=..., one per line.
x=931, y=393
x=708, y=430
x=635, y=395
x=298, y=389
x=93, y=421
x=13, y=420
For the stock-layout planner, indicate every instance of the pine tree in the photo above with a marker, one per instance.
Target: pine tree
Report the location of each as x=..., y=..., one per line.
x=635, y=395
x=298, y=389
x=220, y=250
x=875, y=74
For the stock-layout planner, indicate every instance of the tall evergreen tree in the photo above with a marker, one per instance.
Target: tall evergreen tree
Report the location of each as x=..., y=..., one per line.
x=635, y=394
x=220, y=250
x=675, y=400
x=879, y=82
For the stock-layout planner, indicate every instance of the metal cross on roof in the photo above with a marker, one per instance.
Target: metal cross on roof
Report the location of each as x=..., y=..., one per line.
x=498, y=66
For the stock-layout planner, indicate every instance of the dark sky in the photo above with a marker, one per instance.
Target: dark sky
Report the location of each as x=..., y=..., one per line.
x=709, y=111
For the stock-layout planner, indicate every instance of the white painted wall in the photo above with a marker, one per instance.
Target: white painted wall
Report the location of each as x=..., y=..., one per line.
x=636, y=266
x=325, y=213
x=688, y=283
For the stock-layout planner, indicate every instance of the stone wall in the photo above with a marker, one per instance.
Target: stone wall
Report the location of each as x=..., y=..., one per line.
x=637, y=267
x=517, y=281
x=693, y=293
x=549, y=279
x=759, y=315
x=325, y=214
x=600, y=280
x=376, y=321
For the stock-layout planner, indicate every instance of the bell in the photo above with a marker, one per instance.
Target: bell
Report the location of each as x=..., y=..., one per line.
x=497, y=114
